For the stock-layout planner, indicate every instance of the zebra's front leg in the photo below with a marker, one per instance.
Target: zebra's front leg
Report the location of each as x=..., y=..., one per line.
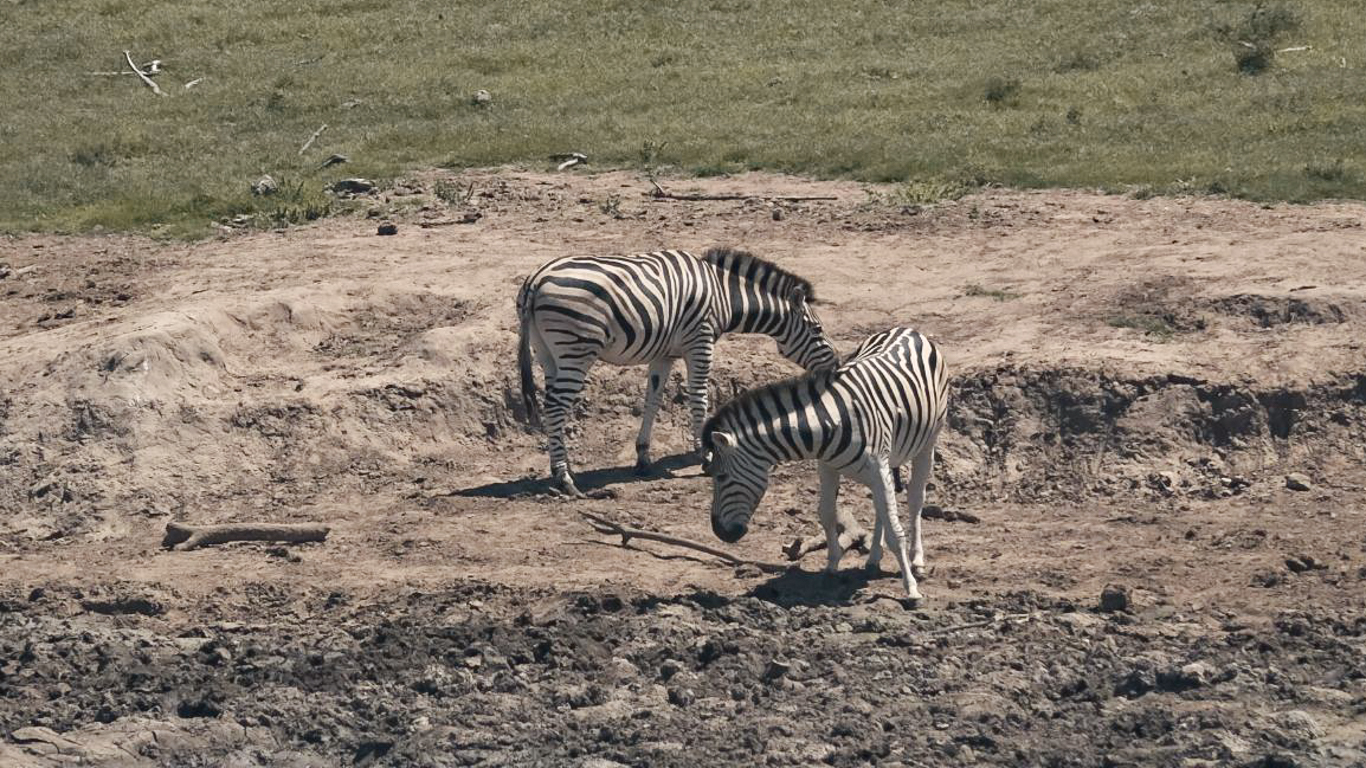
x=698, y=361
x=654, y=390
x=561, y=393
x=879, y=477
x=830, y=491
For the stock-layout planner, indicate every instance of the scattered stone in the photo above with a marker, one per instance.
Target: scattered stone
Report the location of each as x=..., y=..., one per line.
x=387, y=228
x=353, y=186
x=5, y=270
x=1298, y=481
x=682, y=697
x=1303, y=563
x=776, y=668
x=143, y=606
x=470, y=217
x=1136, y=683
x=779, y=214
x=334, y=160
x=1114, y=599
x=1298, y=726
x=265, y=186
x=668, y=669
x=481, y=98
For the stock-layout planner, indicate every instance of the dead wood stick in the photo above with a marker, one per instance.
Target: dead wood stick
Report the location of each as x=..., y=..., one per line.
x=1000, y=618
x=139, y=73
x=856, y=539
x=602, y=525
x=312, y=139
x=660, y=194
x=181, y=537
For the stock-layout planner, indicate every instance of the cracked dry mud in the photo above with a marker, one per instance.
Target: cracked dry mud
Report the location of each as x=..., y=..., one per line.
x=1160, y=400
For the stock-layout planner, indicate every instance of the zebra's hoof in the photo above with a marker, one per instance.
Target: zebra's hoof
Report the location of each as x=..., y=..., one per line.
x=565, y=487
x=920, y=572
x=911, y=602
x=642, y=467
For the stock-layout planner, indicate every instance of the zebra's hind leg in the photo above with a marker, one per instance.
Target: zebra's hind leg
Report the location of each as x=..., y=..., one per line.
x=879, y=477
x=562, y=390
x=921, y=467
x=654, y=391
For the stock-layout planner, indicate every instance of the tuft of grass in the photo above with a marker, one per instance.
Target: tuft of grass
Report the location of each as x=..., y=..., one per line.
x=1118, y=95
x=1002, y=91
x=1151, y=325
x=976, y=290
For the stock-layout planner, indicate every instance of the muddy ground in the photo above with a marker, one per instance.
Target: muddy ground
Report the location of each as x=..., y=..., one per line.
x=1135, y=382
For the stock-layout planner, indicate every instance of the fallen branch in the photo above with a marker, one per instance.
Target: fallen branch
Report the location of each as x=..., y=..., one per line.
x=856, y=539
x=602, y=525
x=312, y=139
x=659, y=193
x=999, y=618
x=181, y=537
x=140, y=74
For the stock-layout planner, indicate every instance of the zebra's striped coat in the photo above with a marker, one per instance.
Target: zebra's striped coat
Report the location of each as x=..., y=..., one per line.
x=881, y=408
x=653, y=308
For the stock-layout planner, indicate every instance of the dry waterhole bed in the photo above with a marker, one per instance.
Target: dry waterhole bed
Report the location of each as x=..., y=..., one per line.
x=1135, y=382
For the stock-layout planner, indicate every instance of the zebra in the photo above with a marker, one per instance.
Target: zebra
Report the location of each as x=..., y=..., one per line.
x=653, y=308
x=885, y=405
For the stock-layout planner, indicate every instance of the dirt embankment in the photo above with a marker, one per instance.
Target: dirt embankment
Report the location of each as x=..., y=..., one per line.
x=1134, y=382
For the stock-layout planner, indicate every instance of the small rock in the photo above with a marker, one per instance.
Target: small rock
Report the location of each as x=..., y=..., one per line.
x=1302, y=563
x=481, y=98
x=265, y=186
x=682, y=697
x=387, y=228
x=1114, y=599
x=334, y=160
x=668, y=669
x=1298, y=481
x=1299, y=726
x=779, y=214
x=470, y=217
x=352, y=186
x=776, y=668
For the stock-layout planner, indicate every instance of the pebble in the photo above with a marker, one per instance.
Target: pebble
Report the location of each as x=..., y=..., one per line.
x=1298, y=481
x=1114, y=598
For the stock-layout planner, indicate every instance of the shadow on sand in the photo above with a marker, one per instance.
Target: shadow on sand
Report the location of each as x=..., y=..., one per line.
x=588, y=481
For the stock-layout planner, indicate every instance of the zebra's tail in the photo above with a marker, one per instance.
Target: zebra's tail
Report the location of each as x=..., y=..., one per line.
x=529, y=399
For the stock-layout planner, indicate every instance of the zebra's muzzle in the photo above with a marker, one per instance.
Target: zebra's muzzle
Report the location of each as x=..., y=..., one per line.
x=728, y=533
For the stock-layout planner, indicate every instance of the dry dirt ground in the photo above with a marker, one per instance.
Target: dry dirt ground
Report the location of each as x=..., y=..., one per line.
x=1134, y=381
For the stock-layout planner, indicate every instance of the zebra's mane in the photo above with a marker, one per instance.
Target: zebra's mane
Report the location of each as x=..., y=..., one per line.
x=740, y=261
x=742, y=401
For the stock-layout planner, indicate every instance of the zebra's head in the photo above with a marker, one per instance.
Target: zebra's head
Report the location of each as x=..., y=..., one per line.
x=738, y=484
x=801, y=338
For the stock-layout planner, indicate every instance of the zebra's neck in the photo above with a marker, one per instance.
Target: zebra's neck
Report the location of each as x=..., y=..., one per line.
x=799, y=419
x=750, y=300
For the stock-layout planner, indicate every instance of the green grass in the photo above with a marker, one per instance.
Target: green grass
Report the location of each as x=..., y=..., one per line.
x=998, y=294
x=1111, y=94
x=1151, y=325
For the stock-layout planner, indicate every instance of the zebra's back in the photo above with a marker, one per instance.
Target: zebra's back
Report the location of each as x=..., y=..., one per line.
x=625, y=309
x=897, y=384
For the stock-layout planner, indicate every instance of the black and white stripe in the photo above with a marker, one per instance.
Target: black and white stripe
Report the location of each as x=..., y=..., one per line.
x=653, y=308
x=882, y=407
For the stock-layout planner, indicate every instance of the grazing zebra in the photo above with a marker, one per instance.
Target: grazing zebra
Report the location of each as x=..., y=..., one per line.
x=653, y=308
x=882, y=407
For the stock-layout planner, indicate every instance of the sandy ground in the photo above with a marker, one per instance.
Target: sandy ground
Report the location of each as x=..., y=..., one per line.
x=1134, y=381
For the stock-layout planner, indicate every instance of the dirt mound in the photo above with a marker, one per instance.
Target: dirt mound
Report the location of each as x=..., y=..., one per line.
x=1027, y=434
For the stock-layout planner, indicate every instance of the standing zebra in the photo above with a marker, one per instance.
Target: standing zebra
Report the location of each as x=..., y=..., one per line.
x=882, y=407
x=653, y=308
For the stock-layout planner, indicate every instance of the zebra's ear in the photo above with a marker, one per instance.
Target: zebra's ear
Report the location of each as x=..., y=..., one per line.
x=724, y=442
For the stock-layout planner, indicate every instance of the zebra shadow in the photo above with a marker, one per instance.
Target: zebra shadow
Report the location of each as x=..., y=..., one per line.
x=795, y=587
x=588, y=481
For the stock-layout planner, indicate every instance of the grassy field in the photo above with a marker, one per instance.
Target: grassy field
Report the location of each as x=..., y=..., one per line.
x=1148, y=97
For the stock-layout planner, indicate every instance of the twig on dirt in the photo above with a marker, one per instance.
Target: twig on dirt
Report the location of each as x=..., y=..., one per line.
x=659, y=193
x=602, y=525
x=856, y=539
x=21, y=271
x=1296, y=48
x=312, y=139
x=181, y=537
x=139, y=73
x=193, y=83
x=998, y=618
x=570, y=159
